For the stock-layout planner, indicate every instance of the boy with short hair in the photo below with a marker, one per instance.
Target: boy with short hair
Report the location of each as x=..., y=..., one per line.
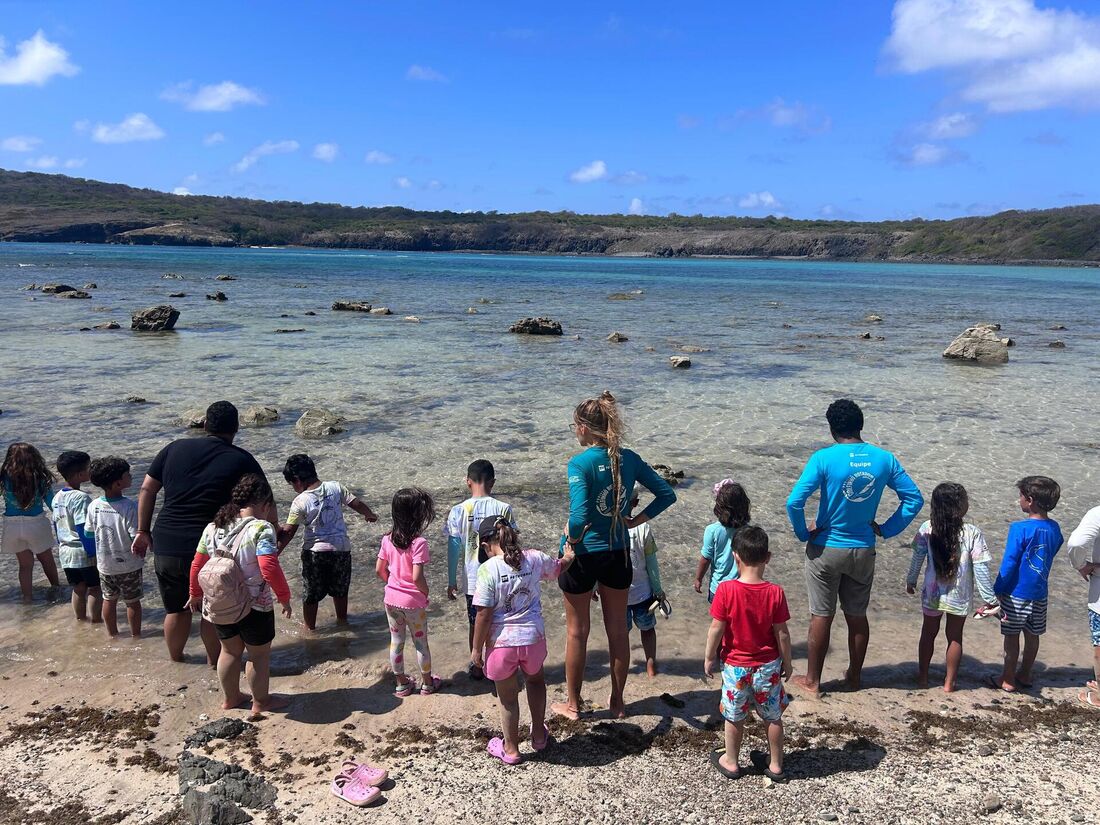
x=462, y=537
x=112, y=521
x=326, y=548
x=749, y=631
x=74, y=547
x=1021, y=586
x=645, y=589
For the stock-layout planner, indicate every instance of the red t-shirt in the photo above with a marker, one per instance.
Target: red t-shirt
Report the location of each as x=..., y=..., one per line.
x=749, y=611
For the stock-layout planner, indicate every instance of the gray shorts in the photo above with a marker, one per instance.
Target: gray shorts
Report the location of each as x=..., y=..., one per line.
x=846, y=572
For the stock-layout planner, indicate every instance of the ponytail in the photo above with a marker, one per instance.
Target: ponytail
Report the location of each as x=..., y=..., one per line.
x=604, y=421
x=508, y=540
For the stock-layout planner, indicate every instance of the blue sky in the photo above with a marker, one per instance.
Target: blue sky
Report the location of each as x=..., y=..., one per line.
x=862, y=110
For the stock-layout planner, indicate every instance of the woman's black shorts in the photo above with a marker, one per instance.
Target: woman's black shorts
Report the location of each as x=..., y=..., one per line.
x=255, y=629
x=611, y=568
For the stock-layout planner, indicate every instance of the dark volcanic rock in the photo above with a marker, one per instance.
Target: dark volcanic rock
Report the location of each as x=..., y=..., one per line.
x=226, y=727
x=107, y=325
x=617, y=338
x=177, y=294
x=1057, y=345
x=287, y=330
x=350, y=306
x=680, y=362
x=55, y=288
x=155, y=319
x=217, y=296
x=225, y=278
x=73, y=293
x=91, y=285
x=536, y=326
x=673, y=477
x=211, y=809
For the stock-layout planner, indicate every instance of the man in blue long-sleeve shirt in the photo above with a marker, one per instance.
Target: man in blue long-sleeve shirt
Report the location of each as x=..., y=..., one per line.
x=851, y=477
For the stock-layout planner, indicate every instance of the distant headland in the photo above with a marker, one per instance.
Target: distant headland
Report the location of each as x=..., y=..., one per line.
x=37, y=207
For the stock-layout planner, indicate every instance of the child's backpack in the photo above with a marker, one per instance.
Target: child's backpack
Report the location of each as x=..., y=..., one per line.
x=226, y=597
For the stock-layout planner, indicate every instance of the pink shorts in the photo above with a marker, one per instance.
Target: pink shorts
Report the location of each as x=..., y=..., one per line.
x=503, y=662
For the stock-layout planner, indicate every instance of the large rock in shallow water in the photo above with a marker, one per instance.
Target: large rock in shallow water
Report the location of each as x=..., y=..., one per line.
x=258, y=416
x=980, y=344
x=53, y=289
x=350, y=306
x=155, y=319
x=536, y=326
x=318, y=423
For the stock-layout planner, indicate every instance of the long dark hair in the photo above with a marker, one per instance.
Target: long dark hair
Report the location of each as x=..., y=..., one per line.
x=731, y=505
x=949, y=505
x=412, y=509
x=251, y=491
x=605, y=422
x=508, y=540
x=25, y=472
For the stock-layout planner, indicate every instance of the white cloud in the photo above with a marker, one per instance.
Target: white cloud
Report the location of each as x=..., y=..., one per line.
x=75, y=163
x=800, y=117
x=214, y=97
x=629, y=178
x=268, y=147
x=44, y=162
x=1009, y=55
x=20, y=143
x=35, y=61
x=133, y=127
x=759, y=200
x=402, y=182
x=950, y=127
x=378, y=157
x=434, y=185
x=182, y=190
x=213, y=139
x=596, y=170
x=929, y=154
x=326, y=152
x=192, y=178
x=425, y=73
x=636, y=206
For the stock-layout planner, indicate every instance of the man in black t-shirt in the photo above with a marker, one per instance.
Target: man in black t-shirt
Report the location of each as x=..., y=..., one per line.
x=197, y=476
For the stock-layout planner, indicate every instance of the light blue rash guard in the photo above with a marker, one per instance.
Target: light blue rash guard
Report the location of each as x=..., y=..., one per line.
x=851, y=479
x=591, y=493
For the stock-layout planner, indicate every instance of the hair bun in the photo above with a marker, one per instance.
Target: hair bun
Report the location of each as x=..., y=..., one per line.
x=607, y=396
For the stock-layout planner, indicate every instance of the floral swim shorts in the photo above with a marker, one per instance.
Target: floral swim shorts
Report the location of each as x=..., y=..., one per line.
x=759, y=687
x=1094, y=627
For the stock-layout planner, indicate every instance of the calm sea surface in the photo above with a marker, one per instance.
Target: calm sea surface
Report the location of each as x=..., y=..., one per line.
x=424, y=399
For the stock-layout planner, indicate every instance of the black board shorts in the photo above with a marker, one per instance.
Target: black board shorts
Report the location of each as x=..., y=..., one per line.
x=77, y=576
x=611, y=568
x=255, y=629
x=173, y=581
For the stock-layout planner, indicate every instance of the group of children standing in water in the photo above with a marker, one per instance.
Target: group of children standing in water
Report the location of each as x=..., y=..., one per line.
x=236, y=580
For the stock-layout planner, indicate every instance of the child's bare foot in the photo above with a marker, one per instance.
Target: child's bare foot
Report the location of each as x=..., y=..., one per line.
x=1000, y=683
x=852, y=682
x=922, y=680
x=243, y=700
x=272, y=704
x=617, y=710
x=563, y=709
x=651, y=669
x=948, y=687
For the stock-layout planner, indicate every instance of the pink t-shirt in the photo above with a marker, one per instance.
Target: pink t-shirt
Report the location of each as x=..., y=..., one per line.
x=400, y=590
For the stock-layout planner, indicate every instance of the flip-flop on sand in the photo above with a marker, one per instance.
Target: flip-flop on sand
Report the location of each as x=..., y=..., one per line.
x=1086, y=697
x=715, y=756
x=762, y=762
x=354, y=791
x=367, y=774
x=546, y=739
x=496, y=748
x=992, y=681
x=1091, y=685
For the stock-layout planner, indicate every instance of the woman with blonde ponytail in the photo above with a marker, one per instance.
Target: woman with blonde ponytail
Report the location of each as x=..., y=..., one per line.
x=601, y=485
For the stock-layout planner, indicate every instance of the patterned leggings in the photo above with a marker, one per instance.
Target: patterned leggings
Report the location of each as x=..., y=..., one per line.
x=401, y=619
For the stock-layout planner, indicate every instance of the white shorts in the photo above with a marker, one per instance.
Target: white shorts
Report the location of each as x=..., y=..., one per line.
x=34, y=533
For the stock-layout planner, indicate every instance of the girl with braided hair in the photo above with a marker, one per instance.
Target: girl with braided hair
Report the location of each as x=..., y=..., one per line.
x=601, y=484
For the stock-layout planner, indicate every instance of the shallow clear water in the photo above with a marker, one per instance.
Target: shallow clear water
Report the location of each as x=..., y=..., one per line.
x=422, y=400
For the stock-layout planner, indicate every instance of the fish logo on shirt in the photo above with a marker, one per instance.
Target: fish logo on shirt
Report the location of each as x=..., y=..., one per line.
x=859, y=487
x=1036, y=559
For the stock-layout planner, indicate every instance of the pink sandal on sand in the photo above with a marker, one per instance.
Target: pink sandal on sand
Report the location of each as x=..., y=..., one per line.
x=546, y=738
x=354, y=792
x=405, y=689
x=428, y=688
x=363, y=772
x=496, y=748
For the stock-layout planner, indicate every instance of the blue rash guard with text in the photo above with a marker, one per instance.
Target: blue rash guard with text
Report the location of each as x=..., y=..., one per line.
x=591, y=494
x=852, y=479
